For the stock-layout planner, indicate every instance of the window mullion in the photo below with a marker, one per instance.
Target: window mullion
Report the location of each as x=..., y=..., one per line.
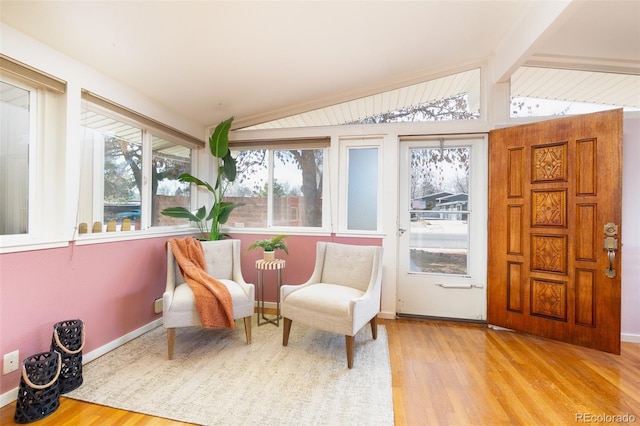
x=98, y=177
x=32, y=216
x=145, y=196
x=270, y=189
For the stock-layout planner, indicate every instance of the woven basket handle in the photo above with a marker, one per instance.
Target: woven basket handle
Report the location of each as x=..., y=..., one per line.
x=70, y=352
x=25, y=376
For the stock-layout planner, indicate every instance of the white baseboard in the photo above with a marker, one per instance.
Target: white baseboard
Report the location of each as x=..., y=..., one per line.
x=90, y=356
x=12, y=395
x=8, y=397
x=630, y=338
x=387, y=315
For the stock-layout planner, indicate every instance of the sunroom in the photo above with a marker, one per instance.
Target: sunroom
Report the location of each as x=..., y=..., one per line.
x=351, y=124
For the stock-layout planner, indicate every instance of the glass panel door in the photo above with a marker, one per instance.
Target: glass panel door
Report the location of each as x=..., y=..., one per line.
x=442, y=235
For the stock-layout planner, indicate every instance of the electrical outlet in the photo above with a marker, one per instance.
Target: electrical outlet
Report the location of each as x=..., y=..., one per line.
x=157, y=305
x=11, y=361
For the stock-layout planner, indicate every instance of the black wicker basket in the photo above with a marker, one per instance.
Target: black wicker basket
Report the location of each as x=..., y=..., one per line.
x=38, y=393
x=68, y=340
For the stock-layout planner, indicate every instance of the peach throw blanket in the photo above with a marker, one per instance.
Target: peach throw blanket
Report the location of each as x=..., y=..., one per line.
x=213, y=299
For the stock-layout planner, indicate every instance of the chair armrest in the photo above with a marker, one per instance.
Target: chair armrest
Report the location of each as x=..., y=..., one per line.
x=316, y=275
x=248, y=288
x=167, y=296
x=287, y=289
x=368, y=305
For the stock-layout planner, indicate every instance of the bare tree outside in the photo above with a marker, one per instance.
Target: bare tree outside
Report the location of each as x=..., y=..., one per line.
x=296, y=187
x=123, y=178
x=454, y=108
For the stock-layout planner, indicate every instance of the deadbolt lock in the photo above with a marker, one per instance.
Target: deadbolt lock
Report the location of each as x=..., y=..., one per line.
x=611, y=229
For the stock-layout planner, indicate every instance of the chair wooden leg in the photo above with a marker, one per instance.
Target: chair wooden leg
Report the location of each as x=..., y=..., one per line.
x=247, y=329
x=350, y=343
x=171, y=338
x=374, y=328
x=286, y=329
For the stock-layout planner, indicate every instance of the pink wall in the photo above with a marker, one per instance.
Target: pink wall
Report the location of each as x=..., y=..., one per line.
x=300, y=260
x=110, y=286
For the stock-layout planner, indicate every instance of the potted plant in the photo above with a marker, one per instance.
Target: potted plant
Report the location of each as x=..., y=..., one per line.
x=270, y=245
x=226, y=173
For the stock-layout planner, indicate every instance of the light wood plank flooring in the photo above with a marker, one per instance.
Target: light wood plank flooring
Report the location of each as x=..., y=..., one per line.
x=448, y=373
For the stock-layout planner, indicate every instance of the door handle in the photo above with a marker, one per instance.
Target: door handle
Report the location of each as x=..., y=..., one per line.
x=459, y=285
x=401, y=231
x=611, y=246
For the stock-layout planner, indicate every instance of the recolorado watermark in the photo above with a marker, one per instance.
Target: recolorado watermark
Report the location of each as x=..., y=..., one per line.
x=605, y=418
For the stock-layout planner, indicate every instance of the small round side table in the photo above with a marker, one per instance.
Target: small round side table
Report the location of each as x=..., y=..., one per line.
x=269, y=265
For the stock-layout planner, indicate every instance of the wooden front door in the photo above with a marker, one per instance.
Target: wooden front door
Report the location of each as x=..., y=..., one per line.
x=553, y=188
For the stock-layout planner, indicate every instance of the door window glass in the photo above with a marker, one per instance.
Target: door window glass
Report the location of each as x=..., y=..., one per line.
x=440, y=214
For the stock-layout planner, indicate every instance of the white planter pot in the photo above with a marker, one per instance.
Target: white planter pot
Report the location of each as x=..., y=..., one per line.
x=269, y=255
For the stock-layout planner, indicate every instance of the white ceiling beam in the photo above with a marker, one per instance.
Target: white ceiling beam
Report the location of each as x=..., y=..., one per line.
x=538, y=22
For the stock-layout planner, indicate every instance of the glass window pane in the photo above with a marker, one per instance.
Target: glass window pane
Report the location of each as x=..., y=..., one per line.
x=297, y=188
x=362, y=197
x=279, y=188
x=169, y=161
x=452, y=97
x=123, y=176
x=250, y=187
x=112, y=171
x=439, y=231
x=14, y=159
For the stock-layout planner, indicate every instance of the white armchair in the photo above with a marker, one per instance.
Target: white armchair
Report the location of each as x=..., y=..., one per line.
x=223, y=263
x=342, y=295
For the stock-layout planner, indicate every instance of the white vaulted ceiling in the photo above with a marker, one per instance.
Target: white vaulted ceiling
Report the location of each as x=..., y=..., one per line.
x=264, y=60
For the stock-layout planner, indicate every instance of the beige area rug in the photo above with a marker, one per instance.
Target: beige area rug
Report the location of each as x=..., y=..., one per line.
x=216, y=379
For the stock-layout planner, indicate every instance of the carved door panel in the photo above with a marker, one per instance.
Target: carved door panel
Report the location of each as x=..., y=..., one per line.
x=553, y=188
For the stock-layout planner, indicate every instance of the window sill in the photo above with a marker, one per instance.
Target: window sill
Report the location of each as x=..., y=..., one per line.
x=109, y=237
x=355, y=234
x=31, y=245
x=305, y=232
x=279, y=231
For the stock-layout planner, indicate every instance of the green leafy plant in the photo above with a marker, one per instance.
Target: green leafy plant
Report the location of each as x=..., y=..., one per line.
x=227, y=170
x=271, y=244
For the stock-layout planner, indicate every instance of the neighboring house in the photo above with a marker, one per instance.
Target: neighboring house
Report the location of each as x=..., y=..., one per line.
x=428, y=202
x=453, y=203
x=441, y=201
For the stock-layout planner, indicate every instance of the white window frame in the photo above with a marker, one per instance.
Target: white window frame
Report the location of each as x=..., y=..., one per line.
x=44, y=206
x=270, y=228
x=31, y=160
x=96, y=195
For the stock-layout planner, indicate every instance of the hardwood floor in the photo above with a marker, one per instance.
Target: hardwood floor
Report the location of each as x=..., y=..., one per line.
x=446, y=373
